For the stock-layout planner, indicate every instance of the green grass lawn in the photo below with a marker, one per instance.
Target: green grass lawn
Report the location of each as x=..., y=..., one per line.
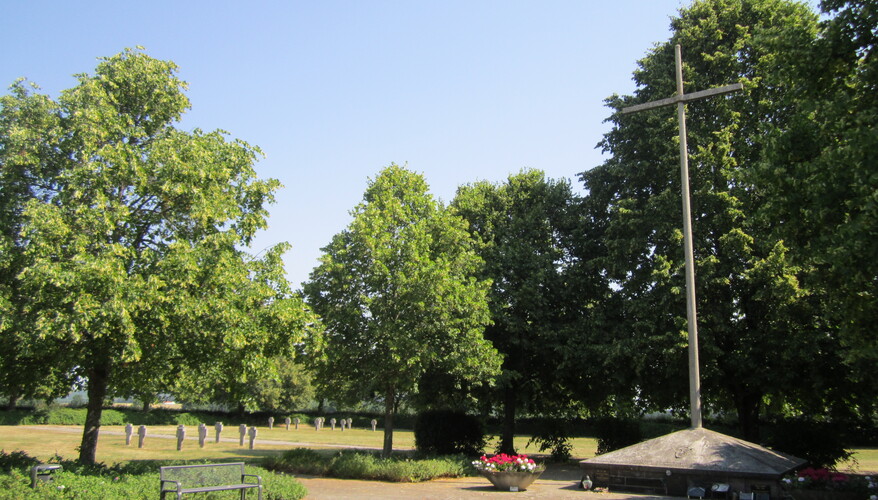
x=45, y=441
x=865, y=460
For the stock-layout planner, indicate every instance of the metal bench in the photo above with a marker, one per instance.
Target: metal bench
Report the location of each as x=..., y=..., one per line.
x=182, y=479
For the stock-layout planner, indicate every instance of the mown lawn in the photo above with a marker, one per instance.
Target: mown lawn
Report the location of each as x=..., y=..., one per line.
x=45, y=441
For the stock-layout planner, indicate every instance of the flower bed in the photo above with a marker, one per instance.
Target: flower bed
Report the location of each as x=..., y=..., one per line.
x=504, y=462
x=824, y=484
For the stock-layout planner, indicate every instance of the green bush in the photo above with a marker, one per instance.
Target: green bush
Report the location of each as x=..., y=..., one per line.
x=822, y=444
x=303, y=419
x=358, y=465
x=13, y=417
x=17, y=485
x=615, y=433
x=16, y=460
x=425, y=469
x=446, y=432
x=363, y=465
x=66, y=416
x=136, y=480
x=299, y=461
x=554, y=436
x=100, y=487
x=35, y=417
x=278, y=486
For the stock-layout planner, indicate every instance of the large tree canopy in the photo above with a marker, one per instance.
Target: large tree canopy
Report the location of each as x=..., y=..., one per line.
x=526, y=226
x=27, y=123
x=128, y=234
x=761, y=342
x=398, y=297
x=820, y=176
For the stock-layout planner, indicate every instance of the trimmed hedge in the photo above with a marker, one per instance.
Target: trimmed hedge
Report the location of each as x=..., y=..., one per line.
x=60, y=415
x=117, y=416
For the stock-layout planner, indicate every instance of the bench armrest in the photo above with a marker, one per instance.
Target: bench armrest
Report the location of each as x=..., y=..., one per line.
x=258, y=478
x=177, y=485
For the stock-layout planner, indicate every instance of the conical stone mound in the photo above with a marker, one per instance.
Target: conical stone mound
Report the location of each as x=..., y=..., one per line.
x=692, y=457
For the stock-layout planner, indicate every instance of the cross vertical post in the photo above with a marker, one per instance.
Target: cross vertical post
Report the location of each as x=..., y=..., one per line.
x=691, y=314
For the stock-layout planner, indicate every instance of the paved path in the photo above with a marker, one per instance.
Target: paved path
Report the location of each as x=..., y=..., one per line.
x=558, y=482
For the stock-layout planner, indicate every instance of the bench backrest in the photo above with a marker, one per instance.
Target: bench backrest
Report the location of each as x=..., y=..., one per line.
x=204, y=474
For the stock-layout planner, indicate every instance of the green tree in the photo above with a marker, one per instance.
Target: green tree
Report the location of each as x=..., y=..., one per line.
x=819, y=173
x=759, y=337
x=291, y=390
x=25, y=120
x=133, y=270
x=525, y=227
x=397, y=296
x=235, y=375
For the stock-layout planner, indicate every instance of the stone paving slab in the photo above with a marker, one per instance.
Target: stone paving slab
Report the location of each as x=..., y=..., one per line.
x=558, y=482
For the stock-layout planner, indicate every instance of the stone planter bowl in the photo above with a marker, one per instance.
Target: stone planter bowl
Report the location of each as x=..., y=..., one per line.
x=511, y=480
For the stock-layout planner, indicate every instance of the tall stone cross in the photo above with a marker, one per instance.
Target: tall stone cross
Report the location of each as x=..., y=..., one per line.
x=680, y=100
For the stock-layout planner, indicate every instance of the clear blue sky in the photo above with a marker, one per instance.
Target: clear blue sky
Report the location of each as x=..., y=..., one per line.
x=333, y=91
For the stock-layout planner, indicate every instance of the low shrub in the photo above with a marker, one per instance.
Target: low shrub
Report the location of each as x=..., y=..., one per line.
x=369, y=466
x=189, y=419
x=277, y=485
x=427, y=469
x=303, y=419
x=360, y=465
x=13, y=417
x=17, y=485
x=553, y=436
x=822, y=444
x=299, y=461
x=356, y=465
x=447, y=432
x=16, y=460
x=136, y=480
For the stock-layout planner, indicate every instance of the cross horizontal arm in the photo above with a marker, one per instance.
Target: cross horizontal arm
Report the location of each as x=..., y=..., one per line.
x=694, y=96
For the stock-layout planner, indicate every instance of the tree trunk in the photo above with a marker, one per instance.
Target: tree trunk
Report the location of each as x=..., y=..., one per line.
x=389, y=398
x=13, y=401
x=747, y=405
x=146, y=406
x=510, y=401
x=98, y=379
